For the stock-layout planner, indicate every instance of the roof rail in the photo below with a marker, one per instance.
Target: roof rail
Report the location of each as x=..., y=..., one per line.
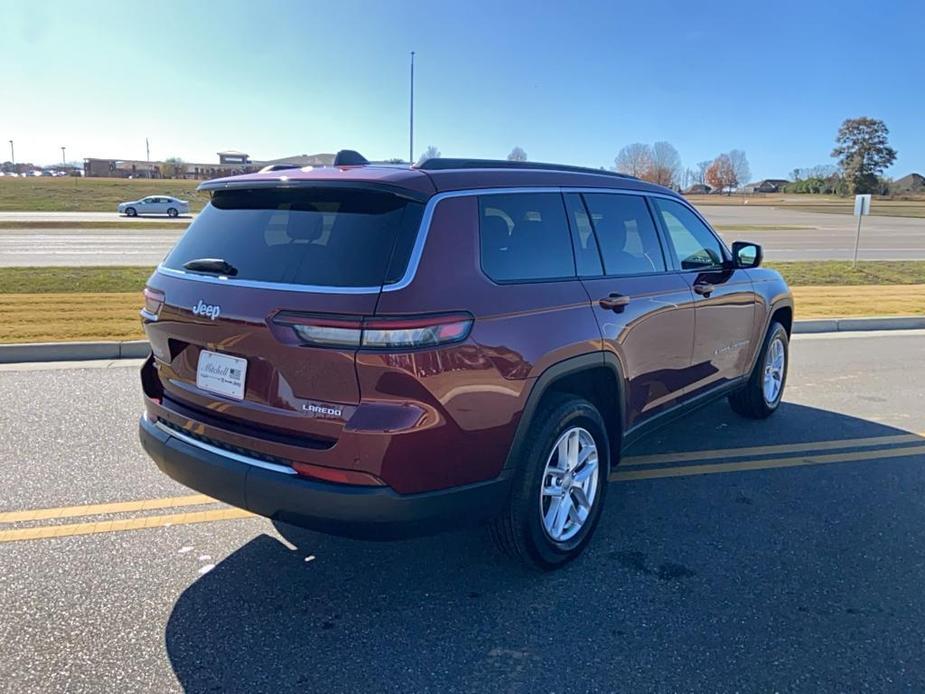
x=441, y=164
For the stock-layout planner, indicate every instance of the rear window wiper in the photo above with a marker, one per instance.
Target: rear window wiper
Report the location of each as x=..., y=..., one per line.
x=215, y=266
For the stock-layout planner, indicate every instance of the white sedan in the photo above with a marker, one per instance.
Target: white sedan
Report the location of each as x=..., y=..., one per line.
x=154, y=204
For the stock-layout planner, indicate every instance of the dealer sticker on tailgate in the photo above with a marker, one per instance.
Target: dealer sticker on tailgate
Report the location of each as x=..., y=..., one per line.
x=221, y=374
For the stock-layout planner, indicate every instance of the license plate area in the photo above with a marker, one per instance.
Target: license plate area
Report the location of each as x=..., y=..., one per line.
x=221, y=374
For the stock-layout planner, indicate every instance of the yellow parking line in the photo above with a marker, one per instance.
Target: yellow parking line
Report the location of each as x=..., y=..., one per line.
x=766, y=464
x=111, y=526
x=98, y=509
x=689, y=456
x=622, y=474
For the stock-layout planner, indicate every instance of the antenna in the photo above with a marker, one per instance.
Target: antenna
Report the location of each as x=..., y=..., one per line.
x=411, y=114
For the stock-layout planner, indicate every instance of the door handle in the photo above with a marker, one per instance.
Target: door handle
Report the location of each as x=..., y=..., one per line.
x=704, y=288
x=615, y=302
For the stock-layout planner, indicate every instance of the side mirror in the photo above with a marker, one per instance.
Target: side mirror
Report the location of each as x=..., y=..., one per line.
x=746, y=254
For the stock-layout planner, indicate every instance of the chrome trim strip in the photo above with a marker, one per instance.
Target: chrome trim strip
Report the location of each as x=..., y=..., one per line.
x=247, y=460
x=418, y=250
x=256, y=284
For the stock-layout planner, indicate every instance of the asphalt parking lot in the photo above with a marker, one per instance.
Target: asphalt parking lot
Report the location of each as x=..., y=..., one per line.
x=786, y=555
x=819, y=236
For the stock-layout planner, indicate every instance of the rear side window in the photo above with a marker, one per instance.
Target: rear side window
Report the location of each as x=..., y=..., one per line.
x=525, y=237
x=323, y=237
x=626, y=234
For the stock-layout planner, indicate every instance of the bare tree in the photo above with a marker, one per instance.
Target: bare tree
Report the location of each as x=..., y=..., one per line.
x=702, y=167
x=634, y=159
x=666, y=165
x=740, y=166
x=517, y=154
x=430, y=153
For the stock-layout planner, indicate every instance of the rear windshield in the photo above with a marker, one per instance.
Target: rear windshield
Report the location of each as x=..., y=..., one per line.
x=316, y=236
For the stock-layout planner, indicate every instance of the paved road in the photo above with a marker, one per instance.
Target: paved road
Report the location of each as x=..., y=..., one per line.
x=79, y=247
x=826, y=236
x=776, y=575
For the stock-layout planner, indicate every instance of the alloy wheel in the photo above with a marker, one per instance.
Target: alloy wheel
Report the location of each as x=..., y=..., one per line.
x=569, y=486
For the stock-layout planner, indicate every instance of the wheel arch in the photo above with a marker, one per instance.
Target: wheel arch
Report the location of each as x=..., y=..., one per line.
x=595, y=376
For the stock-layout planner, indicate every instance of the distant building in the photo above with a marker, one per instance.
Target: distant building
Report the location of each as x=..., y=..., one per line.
x=234, y=158
x=911, y=183
x=230, y=163
x=699, y=189
x=768, y=185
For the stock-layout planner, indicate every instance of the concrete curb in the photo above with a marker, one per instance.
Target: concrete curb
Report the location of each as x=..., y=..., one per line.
x=73, y=351
x=841, y=325
x=139, y=349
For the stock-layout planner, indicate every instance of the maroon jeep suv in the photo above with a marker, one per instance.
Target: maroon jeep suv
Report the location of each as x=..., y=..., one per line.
x=381, y=351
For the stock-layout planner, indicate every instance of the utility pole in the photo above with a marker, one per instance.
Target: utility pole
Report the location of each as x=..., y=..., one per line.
x=147, y=150
x=63, y=158
x=411, y=124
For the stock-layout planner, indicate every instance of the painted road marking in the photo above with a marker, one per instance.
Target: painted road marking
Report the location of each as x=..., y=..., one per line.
x=39, y=532
x=44, y=532
x=765, y=464
x=688, y=456
x=104, y=509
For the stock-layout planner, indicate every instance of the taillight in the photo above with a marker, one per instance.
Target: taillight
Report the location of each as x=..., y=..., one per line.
x=415, y=333
x=377, y=333
x=154, y=300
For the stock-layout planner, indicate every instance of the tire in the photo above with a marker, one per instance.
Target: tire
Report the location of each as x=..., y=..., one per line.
x=172, y=212
x=131, y=212
x=753, y=400
x=521, y=530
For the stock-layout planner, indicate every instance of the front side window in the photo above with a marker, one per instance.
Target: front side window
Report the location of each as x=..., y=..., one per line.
x=525, y=237
x=694, y=244
x=626, y=234
x=321, y=236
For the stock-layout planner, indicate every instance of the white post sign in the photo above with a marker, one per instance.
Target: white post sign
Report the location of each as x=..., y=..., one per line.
x=861, y=208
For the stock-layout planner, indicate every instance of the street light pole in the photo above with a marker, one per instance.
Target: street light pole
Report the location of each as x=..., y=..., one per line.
x=411, y=123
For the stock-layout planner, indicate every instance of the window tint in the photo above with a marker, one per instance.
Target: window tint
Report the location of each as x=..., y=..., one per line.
x=626, y=234
x=326, y=237
x=694, y=244
x=587, y=256
x=525, y=236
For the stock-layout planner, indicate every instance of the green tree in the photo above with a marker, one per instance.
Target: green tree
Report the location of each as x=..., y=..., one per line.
x=863, y=152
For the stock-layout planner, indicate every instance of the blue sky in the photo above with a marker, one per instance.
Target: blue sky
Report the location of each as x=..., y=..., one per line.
x=567, y=82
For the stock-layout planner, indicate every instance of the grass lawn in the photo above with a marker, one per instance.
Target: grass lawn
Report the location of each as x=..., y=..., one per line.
x=124, y=225
x=73, y=280
x=840, y=272
x=73, y=194
x=70, y=317
x=759, y=227
x=868, y=300
x=102, y=303
x=830, y=204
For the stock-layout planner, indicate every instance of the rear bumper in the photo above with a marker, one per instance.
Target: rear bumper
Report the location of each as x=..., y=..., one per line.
x=366, y=512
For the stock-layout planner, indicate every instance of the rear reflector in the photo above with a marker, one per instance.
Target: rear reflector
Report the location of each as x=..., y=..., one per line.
x=377, y=333
x=330, y=474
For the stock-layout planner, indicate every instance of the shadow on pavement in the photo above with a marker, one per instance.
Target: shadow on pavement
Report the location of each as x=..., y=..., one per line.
x=799, y=579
